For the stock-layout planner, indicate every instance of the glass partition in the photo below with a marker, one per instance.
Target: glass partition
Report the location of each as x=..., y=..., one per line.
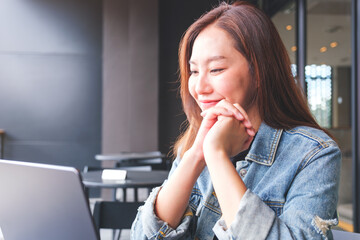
x=285, y=23
x=327, y=77
x=328, y=81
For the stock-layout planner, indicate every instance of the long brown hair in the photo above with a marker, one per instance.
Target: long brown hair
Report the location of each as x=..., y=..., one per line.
x=280, y=100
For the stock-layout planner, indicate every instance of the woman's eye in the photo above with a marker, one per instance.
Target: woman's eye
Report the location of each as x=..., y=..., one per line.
x=217, y=70
x=193, y=72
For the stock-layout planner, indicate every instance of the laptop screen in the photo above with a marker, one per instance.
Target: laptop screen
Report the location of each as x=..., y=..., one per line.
x=40, y=201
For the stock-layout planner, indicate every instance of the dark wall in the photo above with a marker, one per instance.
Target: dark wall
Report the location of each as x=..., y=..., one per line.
x=174, y=18
x=50, y=80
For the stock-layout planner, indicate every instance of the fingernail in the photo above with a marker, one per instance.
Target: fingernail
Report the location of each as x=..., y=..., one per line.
x=240, y=116
x=251, y=132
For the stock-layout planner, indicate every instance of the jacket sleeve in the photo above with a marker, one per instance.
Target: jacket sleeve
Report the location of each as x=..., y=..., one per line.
x=309, y=211
x=148, y=226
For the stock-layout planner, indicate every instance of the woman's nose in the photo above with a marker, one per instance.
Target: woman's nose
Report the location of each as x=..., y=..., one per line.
x=203, y=85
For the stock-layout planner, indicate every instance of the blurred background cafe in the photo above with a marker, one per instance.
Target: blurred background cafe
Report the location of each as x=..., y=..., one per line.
x=82, y=80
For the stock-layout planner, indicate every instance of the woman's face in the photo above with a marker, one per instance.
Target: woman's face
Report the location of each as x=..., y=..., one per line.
x=218, y=71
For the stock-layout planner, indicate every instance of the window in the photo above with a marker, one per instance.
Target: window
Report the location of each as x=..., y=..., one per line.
x=319, y=93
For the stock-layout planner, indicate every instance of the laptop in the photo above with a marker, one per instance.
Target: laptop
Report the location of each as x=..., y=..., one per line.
x=41, y=202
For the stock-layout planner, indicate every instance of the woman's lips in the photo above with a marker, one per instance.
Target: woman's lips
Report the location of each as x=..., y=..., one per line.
x=207, y=104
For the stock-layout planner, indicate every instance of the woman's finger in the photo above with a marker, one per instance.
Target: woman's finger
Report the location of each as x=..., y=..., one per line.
x=246, y=122
x=227, y=109
x=236, y=113
x=214, y=112
x=250, y=131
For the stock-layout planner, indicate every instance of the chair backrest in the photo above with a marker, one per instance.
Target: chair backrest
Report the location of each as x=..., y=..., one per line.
x=115, y=215
x=153, y=159
x=161, y=163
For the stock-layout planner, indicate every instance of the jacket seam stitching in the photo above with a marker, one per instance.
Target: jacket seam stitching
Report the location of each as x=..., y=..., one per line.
x=274, y=145
x=270, y=159
x=211, y=207
x=304, y=160
x=309, y=159
x=279, y=206
x=306, y=134
x=275, y=202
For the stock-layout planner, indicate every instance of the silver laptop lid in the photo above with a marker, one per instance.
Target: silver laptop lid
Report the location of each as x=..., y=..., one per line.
x=40, y=201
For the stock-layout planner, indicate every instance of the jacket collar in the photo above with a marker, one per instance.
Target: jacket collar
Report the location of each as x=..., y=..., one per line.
x=263, y=149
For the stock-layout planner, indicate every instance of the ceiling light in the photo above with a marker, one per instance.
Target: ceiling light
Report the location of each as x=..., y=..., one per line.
x=293, y=48
x=334, y=44
x=323, y=49
x=288, y=27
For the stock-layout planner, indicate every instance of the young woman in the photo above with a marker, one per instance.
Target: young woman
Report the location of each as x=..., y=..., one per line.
x=253, y=163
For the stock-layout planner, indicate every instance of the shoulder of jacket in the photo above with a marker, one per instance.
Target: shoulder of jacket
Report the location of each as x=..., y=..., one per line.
x=315, y=135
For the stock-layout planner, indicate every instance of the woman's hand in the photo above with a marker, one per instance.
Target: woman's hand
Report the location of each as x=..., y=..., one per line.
x=223, y=108
x=227, y=133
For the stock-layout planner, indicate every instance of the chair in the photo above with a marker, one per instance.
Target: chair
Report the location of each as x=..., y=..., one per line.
x=154, y=159
x=115, y=215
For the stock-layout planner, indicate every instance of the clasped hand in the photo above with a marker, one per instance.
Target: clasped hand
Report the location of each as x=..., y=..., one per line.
x=225, y=127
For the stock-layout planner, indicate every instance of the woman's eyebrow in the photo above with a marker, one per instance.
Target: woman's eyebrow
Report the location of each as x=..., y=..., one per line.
x=211, y=59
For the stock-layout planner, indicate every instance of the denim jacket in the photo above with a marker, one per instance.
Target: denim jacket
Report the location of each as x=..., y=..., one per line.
x=292, y=178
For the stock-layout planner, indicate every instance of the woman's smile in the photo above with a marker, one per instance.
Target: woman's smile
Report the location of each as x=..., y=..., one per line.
x=206, y=104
